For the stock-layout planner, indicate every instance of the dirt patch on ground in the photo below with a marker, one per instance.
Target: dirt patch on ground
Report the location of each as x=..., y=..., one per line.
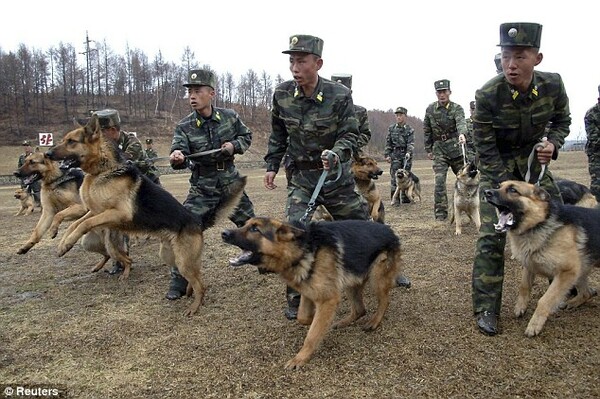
x=97, y=337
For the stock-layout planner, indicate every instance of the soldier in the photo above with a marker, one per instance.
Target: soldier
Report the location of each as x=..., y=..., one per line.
x=592, y=146
x=32, y=188
x=311, y=114
x=131, y=150
x=445, y=129
x=204, y=129
x=151, y=155
x=364, y=131
x=470, y=147
x=399, y=148
x=512, y=111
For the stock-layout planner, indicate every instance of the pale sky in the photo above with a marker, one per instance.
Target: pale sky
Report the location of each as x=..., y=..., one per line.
x=395, y=50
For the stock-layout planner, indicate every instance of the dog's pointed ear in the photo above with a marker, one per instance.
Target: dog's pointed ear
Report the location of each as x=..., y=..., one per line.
x=541, y=193
x=92, y=129
x=287, y=232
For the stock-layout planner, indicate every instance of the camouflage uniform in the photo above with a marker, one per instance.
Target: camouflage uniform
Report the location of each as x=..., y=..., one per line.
x=507, y=126
x=441, y=127
x=302, y=127
x=33, y=188
x=399, y=142
x=592, y=146
x=150, y=152
x=470, y=146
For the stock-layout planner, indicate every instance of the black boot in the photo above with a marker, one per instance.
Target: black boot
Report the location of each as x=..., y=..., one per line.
x=487, y=322
x=178, y=285
x=293, y=302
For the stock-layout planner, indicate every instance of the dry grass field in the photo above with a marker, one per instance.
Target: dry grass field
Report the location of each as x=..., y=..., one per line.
x=91, y=336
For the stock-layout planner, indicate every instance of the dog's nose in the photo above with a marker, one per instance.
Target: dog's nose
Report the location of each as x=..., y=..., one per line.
x=225, y=235
x=488, y=193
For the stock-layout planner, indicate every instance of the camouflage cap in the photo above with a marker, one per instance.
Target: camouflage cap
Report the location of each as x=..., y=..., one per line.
x=498, y=62
x=26, y=143
x=520, y=34
x=443, y=84
x=201, y=77
x=305, y=44
x=148, y=141
x=400, y=110
x=343, y=78
x=472, y=105
x=108, y=118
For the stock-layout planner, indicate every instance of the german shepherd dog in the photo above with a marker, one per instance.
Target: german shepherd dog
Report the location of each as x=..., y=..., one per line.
x=466, y=196
x=561, y=242
x=26, y=202
x=366, y=171
x=119, y=197
x=61, y=202
x=574, y=193
x=321, y=260
x=408, y=184
x=59, y=195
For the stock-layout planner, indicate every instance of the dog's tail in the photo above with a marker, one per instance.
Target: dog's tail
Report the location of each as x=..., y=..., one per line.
x=229, y=201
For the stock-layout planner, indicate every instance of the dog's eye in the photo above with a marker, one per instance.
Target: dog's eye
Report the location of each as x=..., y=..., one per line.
x=254, y=229
x=512, y=190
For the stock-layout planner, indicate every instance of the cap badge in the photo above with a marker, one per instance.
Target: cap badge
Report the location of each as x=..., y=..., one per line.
x=512, y=32
x=293, y=42
x=194, y=76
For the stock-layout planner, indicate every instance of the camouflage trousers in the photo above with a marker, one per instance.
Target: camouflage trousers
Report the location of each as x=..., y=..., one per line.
x=441, y=164
x=488, y=266
x=594, y=169
x=206, y=193
x=397, y=163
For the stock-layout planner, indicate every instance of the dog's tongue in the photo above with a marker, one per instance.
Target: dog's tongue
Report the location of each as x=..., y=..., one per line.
x=241, y=259
x=505, y=221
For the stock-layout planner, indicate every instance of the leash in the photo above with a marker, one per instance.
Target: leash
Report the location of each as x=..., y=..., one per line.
x=406, y=158
x=330, y=155
x=530, y=162
x=190, y=157
x=462, y=147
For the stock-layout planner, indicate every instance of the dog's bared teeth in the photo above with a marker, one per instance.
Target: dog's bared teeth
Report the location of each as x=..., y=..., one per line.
x=505, y=221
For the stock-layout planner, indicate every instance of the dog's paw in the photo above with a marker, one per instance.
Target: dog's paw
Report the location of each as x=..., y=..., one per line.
x=520, y=308
x=535, y=326
x=64, y=248
x=24, y=249
x=296, y=363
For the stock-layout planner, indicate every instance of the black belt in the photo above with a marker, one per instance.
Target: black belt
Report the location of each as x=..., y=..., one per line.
x=445, y=137
x=213, y=167
x=309, y=165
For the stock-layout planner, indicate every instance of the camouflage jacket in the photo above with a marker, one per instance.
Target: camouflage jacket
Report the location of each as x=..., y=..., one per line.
x=592, y=129
x=305, y=126
x=469, y=136
x=400, y=140
x=442, y=126
x=195, y=134
x=507, y=124
x=22, y=159
x=131, y=149
x=364, y=130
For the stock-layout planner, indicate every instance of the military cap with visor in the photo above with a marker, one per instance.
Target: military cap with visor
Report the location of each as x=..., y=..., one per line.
x=305, y=44
x=343, y=78
x=400, y=110
x=148, y=141
x=472, y=105
x=201, y=77
x=443, y=84
x=108, y=118
x=26, y=143
x=520, y=34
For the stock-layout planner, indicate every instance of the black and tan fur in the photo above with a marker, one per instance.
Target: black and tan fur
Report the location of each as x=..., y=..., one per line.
x=561, y=242
x=321, y=261
x=407, y=183
x=60, y=199
x=119, y=197
x=26, y=202
x=466, y=197
x=574, y=193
